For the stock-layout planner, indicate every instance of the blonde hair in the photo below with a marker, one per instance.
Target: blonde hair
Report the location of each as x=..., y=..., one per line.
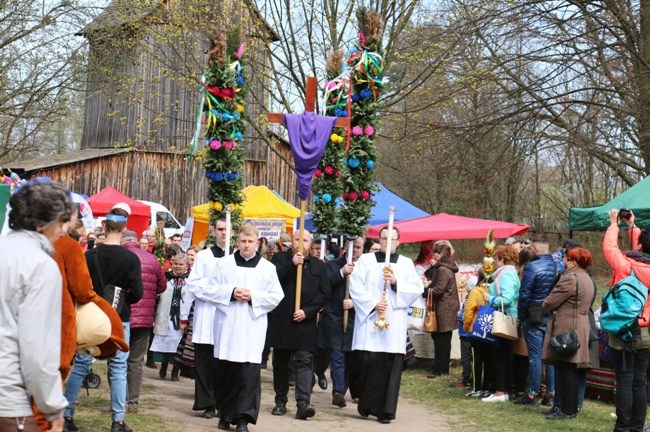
x=249, y=229
x=445, y=243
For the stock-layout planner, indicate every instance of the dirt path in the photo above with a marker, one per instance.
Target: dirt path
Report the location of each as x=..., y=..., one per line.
x=174, y=401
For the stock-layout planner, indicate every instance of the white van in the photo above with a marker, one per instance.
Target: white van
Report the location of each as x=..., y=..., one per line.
x=159, y=211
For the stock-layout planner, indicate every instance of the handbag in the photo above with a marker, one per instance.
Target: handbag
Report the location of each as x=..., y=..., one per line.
x=519, y=346
x=566, y=343
x=504, y=326
x=415, y=315
x=114, y=295
x=430, y=320
x=482, y=328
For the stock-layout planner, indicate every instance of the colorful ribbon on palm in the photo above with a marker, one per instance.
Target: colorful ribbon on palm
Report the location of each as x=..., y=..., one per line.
x=223, y=91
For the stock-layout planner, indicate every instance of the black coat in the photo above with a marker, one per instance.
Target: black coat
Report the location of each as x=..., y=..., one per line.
x=283, y=332
x=330, y=326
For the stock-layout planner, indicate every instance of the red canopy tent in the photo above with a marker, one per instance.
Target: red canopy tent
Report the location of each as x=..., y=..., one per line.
x=443, y=226
x=102, y=202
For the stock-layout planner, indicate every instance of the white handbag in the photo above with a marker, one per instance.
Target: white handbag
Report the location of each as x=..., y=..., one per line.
x=504, y=326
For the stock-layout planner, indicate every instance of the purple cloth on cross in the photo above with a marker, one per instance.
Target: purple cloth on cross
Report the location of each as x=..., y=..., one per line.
x=308, y=137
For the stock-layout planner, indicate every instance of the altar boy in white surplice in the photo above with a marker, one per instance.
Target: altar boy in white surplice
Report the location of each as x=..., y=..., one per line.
x=245, y=288
x=376, y=369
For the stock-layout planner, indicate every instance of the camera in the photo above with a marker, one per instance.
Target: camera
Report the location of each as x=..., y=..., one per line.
x=625, y=214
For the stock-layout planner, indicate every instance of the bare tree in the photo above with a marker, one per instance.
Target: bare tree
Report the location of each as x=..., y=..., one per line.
x=39, y=74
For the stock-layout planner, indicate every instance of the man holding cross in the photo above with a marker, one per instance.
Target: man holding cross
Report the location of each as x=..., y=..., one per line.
x=293, y=332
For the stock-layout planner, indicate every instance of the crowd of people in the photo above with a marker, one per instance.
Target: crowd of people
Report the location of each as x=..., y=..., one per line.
x=216, y=313
x=551, y=292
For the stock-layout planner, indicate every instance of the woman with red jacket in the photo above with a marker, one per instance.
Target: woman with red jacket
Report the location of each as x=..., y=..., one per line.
x=630, y=365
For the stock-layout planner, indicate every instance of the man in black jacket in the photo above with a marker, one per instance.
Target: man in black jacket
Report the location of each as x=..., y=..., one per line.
x=331, y=334
x=293, y=333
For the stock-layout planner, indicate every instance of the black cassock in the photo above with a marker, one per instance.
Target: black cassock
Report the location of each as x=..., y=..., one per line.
x=375, y=379
x=239, y=391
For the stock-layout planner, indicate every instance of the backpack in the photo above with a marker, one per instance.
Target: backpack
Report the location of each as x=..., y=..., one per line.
x=622, y=306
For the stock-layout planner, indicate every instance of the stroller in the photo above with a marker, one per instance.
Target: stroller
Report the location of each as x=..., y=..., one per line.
x=91, y=381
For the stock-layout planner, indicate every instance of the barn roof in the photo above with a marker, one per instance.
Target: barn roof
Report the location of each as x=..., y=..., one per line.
x=33, y=164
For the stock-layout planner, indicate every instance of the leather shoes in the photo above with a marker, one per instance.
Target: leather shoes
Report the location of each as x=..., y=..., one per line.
x=322, y=382
x=280, y=409
x=209, y=413
x=338, y=399
x=242, y=427
x=223, y=425
x=305, y=411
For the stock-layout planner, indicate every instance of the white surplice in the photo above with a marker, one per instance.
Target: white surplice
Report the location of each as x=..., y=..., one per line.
x=239, y=328
x=366, y=287
x=197, y=282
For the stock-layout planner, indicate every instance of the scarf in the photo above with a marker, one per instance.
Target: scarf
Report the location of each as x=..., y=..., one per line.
x=178, y=282
x=497, y=276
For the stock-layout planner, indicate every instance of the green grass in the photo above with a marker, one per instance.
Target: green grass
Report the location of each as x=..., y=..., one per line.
x=89, y=416
x=470, y=414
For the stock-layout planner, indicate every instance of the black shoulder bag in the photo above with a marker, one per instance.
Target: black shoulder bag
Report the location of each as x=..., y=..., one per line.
x=113, y=294
x=566, y=343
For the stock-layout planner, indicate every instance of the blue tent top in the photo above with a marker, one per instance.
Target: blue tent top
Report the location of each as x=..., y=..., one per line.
x=384, y=198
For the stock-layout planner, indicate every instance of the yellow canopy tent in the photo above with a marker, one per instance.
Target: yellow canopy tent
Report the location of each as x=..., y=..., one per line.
x=260, y=203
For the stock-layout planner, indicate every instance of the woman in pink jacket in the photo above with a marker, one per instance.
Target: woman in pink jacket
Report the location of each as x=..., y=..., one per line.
x=630, y=365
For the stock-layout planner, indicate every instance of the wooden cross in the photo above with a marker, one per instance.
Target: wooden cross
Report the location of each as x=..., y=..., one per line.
x=310, y=105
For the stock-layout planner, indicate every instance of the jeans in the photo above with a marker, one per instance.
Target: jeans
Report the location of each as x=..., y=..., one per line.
x=534, y=336
x=339, y=366
x=630, y=368
x=582, y=387
x=137, y=349
x=79, y=371
x=116, y=380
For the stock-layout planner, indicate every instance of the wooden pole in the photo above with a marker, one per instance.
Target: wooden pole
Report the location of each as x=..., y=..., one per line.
x=301, y=236
x=346, y=312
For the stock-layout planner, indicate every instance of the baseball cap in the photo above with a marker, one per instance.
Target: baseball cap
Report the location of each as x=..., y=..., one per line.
x=124, y=206
x=510, y=241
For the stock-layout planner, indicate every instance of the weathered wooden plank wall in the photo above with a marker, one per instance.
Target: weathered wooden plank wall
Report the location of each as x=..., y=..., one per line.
x=166, y=178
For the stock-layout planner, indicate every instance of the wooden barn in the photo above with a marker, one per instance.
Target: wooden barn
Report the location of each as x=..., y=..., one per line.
x=142, y=103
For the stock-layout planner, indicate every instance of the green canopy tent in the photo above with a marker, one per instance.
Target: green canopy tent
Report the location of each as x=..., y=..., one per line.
x=636, y=198
x=5, y=192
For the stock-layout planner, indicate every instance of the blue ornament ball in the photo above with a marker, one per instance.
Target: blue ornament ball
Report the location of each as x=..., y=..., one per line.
x=353, y=162
x=230, y=176
x=217, y=176
x=355, y=98
x=316, y=198
x=208, y=175
x=346, y=162
x=370, y=164
x=365, y=94
x=327, y=198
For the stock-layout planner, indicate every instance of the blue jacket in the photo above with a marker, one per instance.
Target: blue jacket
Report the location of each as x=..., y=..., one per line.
x=537, y=280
